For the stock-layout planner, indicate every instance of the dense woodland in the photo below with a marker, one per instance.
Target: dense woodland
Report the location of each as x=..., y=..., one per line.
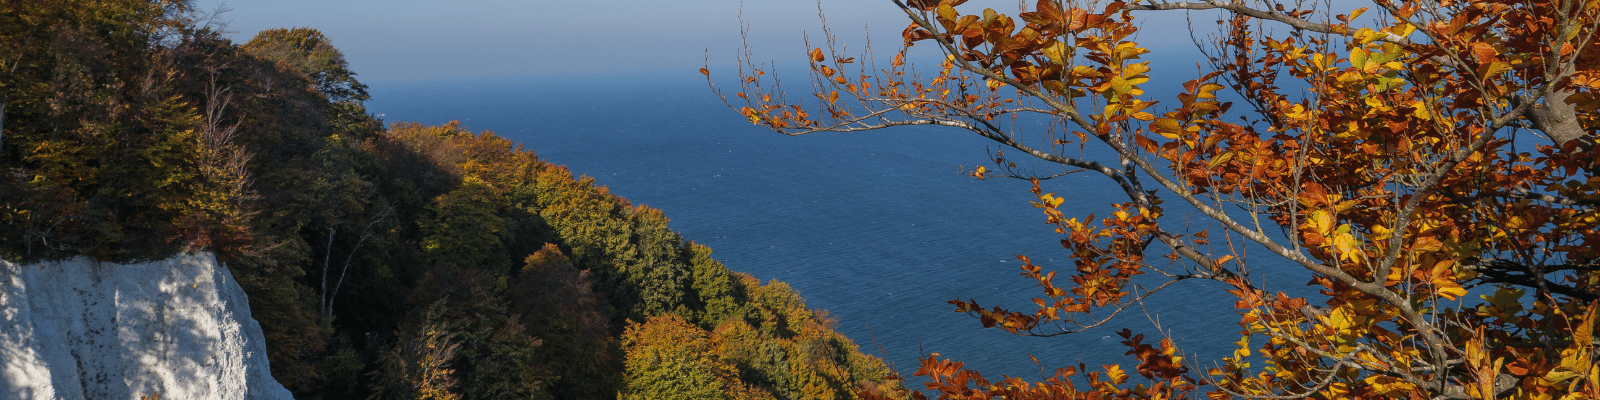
x=383, y=261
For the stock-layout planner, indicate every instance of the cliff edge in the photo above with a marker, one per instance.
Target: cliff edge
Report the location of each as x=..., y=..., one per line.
x=179, y=327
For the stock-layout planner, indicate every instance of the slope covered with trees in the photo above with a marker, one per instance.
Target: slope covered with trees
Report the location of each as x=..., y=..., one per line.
x=400, y=261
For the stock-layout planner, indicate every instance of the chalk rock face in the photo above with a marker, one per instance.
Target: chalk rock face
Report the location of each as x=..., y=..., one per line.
x=80, y=329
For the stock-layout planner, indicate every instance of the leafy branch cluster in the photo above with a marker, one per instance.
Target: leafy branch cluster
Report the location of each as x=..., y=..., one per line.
x=1396, y=161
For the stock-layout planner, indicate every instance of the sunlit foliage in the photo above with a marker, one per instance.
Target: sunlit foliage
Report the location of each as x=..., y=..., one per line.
x=1395, y=155
x=626, y=269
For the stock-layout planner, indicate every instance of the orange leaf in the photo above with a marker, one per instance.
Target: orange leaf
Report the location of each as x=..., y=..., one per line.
x=1218, y=263
x=1483, y=51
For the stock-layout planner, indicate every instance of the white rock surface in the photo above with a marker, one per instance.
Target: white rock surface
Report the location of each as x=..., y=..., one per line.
x=80, y=329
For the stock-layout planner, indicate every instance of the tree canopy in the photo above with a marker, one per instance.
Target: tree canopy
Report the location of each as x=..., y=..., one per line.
x=395, y=261
x=1399, y=155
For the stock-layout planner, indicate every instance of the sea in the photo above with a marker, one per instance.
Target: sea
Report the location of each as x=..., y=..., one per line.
x=879, y=228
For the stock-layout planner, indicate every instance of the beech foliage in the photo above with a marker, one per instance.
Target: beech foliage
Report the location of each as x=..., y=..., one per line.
x=382, y=260
x=1427, y=166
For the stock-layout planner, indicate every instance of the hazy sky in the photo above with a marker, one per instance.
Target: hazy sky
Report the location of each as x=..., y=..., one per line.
x=387, y=40
x=408, y=40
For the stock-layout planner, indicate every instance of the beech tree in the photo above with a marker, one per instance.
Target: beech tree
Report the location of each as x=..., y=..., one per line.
x=1397, y=154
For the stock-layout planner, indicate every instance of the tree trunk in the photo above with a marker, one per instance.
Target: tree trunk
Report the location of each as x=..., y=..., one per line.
x=4, y=101
x=1558, y=119
x=325, y=258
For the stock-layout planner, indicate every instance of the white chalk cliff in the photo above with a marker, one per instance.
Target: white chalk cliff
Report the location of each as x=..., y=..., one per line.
x=80, y=329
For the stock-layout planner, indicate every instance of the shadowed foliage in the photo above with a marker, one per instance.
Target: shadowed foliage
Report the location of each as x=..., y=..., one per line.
x=384, y=262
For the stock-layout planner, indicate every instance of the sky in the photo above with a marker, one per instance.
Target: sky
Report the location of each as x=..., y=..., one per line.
x=419, y=40
x=407, y=40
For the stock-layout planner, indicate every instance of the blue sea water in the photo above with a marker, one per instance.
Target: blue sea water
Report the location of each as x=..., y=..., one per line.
x=878, y=228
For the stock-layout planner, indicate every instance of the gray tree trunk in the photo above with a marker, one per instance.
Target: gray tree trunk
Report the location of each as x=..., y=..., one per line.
x=1558, y=119
x=4, y=101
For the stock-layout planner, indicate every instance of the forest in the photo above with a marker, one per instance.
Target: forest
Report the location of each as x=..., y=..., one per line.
x=382, y=260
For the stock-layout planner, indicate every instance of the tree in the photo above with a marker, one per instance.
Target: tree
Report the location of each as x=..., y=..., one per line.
x=419, y=366
x=667, y=359
x=308, y=51
x=558, y=304
x=464, y=229
x=1397, y=160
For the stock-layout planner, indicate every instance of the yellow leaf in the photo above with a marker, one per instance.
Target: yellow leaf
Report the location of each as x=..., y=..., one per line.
x=1166, y=127
x=1585, y=333
x=947, y=13
x=1057, y=53
x=1366, y=35
x=1444, y=283
x=1376, y=104
x=1083, y=71
x=1346, y=244
x=1357, y=12
x=1116, y=374
x=1496, y=68
x=751, y=114
x=1421, y=112
x=1222, y=159
x=1136, y=69
x=1452, y=293
x=1119, y=86
x=1322, y=221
